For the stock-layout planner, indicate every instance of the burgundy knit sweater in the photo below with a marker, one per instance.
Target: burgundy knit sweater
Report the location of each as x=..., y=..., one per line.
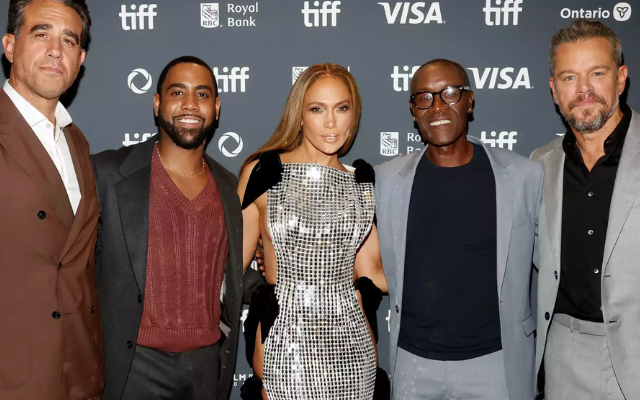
x=185, y=266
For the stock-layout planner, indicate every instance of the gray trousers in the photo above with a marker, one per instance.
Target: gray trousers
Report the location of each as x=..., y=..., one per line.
x=481, y=378
x=159, y=375
x=577, y=362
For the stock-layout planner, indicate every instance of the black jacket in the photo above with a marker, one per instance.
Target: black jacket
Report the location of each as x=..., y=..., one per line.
x=123, y=179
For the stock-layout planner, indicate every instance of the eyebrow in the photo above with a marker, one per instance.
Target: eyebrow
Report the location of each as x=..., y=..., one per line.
x=183, y=86
x=324, y=104
x=570, y=71
x=48, y=27
x=72, y=35
x=41, y=27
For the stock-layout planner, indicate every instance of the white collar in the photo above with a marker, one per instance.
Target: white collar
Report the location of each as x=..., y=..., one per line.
x=31, y=114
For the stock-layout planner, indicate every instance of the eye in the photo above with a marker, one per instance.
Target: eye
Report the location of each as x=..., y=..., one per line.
x=41, y=35
x=569, y=78
x=70, y=42
x=315, y=109
x=204, y=95
x=176, y=93
x=343, y=108
x=598, y=74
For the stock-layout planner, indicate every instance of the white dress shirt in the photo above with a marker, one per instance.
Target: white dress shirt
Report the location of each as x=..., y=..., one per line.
x=53, y=139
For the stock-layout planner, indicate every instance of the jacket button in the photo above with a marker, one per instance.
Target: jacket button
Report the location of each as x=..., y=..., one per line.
x=129, y=344
x=139, y=298
x=555, y=273
x=93, y=309
x=55, y=315
x=547, y=316
x=42, y=215
x=397, y=309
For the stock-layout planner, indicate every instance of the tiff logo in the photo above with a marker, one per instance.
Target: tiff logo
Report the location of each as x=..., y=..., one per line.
x=401, y=80
x=132, y=20
x=312, y=16
x=503, y=139
x=501, y=13
x=228, y=82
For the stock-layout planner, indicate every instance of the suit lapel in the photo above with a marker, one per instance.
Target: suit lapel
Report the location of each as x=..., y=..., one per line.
x=552, y=199
x=505, y=188
x=626, y=187
x=132, y=194
x=232, y=210
x=71, y=135
x=403, y=183
x=19, y=140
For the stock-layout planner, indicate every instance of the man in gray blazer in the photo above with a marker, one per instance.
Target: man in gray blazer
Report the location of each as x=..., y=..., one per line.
x=457, y=223
x=588, y=244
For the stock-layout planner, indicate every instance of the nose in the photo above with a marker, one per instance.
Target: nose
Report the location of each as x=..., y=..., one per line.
x=330, y=121
x=438, y=105
x=584, y=84
x=190, y=102
x=55, y=49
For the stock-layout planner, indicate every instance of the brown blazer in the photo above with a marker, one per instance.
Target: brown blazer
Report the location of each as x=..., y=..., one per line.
x=50, y=331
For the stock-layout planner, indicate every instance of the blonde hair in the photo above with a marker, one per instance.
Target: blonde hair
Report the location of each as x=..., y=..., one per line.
x=579, y=30
x=288, y=135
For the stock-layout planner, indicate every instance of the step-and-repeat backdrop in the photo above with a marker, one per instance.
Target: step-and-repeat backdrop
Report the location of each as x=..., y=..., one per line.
x=258, y=48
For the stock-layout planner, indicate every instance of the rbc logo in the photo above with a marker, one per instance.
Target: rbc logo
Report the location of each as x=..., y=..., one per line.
x=501, y=14
x=209, y=15
x=503, y=139
x=312, y=16
x=389, y=143
x=132, y=20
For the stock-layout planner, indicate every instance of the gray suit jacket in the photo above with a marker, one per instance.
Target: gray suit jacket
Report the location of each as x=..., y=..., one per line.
x=621, y=264
x=518, y=196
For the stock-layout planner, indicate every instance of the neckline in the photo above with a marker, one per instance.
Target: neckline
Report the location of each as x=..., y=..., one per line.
x=348, y=167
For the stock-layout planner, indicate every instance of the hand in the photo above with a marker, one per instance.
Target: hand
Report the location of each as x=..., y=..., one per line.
x=260, y=257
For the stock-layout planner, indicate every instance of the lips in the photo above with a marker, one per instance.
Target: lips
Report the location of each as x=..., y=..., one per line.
x=188, y=120
x=52, y=70
x=440, y=122
x=330, y=138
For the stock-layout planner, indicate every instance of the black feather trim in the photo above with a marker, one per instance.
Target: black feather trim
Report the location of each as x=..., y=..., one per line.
x=364, y=172
x=266, y=174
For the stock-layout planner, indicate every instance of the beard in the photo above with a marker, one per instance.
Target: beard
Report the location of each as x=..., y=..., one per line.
x=580, y=123
x=188, y=139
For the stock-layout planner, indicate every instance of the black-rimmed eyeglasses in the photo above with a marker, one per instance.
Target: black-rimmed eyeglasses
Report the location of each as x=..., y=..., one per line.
x=449, y=95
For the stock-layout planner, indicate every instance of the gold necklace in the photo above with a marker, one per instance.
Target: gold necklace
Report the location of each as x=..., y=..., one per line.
x=178, y=172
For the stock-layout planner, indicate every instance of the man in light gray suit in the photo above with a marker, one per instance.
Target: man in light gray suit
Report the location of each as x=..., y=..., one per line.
x=588, y=244
x=457, y=223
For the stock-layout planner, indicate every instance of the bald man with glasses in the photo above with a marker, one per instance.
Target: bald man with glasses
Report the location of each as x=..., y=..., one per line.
x=457, y=222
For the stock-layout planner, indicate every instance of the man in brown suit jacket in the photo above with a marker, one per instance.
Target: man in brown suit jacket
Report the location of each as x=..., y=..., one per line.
x=50, y=332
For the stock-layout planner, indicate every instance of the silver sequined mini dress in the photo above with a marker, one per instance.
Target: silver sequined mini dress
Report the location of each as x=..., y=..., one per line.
x=319, y=346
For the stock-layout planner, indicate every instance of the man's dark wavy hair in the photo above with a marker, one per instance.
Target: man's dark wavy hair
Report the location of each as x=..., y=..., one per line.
x=16, y=16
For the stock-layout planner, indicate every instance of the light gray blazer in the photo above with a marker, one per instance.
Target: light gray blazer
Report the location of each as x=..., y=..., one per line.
x=620, y=266
x=518, y=195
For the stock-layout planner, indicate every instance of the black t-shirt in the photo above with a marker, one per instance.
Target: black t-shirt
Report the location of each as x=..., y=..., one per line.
x=450, y=300
x=586, y=199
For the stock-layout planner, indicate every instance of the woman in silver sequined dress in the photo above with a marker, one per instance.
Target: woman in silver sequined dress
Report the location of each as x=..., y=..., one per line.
x=315, y=218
